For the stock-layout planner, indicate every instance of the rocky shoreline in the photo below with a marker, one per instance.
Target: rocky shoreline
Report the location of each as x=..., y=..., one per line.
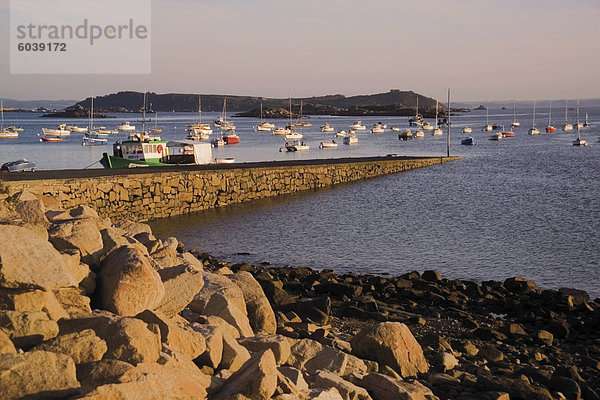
x=95, y=310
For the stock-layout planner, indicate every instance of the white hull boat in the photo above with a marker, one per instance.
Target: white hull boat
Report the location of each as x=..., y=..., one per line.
x=496, y=136
x=265, y=127
x=294, y=136
x=327, y=128
x=77, y=129
x=126, y=127
x=352, y=139
x=358, y=126
x=60, y=131
x=377, y=129
x=328, y=145
x=281, y=131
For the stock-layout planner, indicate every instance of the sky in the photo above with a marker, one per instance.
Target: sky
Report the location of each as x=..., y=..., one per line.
x=481, y=49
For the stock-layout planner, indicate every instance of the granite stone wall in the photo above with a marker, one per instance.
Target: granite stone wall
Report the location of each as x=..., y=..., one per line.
x=143, y=197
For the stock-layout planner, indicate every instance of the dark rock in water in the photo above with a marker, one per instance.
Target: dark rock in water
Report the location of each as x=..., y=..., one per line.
x=519, y=285
x=579, y=296
x=432, y=276
x=480, y=107
x=402, y=283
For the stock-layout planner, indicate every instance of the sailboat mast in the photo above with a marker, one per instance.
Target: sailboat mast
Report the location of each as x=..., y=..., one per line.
x=566, y=112
x=261, y=119
x=2, y=107
x=550, y=113
x=514, y=110
x=144, y=114
x=290, y=107
x=448, y=141
x=199, y=110
x=92, y=115
x=436, y=114
x=533, y=122
x=578, y=129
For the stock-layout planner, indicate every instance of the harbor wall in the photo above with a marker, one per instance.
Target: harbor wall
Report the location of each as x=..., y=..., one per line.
x=144, y=196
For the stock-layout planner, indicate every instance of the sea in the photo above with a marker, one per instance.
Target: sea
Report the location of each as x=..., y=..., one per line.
x=523, y=206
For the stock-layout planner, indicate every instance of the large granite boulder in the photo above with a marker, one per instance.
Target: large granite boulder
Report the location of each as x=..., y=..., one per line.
x=213, y=336
x=384, y=387
x=150, y=381
x=98, y=373
x=32, y=300
x=6, y=345
x=83, y=346
x=26, y=329
x=279, y=345
x=234, y=354
x=225, y=308
x=214, y=283
x=166, y=253
x=391, y=344
x=184, y=340
x=256, y=379
x=348, y=390
x=260, y=313
x=128, y=283
x=27, y=261
x=128, y=339
x=311, y=356
x=37, y=375
x=181, y=282
x=30, y=208
x=81, y=234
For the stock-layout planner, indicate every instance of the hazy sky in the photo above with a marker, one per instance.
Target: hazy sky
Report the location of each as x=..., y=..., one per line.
x=479, y=48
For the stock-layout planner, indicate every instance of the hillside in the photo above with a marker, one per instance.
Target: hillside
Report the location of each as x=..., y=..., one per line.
x=394, y=102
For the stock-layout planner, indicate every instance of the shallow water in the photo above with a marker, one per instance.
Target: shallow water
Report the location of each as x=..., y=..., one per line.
x=526, y=206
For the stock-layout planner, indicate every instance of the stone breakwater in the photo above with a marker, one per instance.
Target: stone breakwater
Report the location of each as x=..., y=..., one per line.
x=165, y=192
x=95, y=310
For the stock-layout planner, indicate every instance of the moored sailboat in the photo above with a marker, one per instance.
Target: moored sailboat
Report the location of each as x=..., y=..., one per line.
x=264, y=126
x=550, y=128
x=437, y=131
x=5, y=132
x=579, y=141
x=515, y=123
x=567, y=126
x=533, y=130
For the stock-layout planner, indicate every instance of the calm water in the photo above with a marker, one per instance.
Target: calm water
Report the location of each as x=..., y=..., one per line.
x=524, y=206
